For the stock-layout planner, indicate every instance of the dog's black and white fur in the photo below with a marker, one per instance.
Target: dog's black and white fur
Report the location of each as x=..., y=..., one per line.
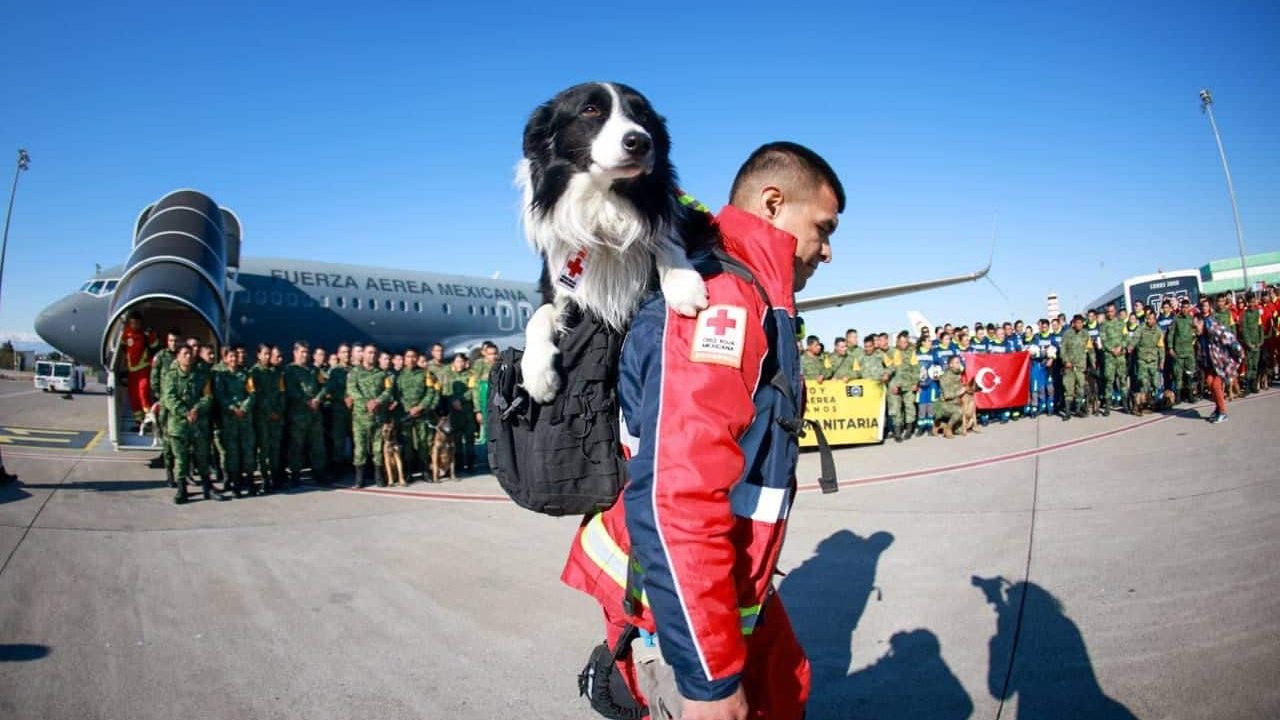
x=597, y=177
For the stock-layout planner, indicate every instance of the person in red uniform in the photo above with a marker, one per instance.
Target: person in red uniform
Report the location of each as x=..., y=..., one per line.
x=711, y=470
x=137, y=357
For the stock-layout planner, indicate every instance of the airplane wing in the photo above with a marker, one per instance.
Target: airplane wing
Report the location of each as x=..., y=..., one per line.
x=860, y=296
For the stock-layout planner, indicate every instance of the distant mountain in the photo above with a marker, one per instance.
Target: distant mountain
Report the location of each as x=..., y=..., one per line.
x=26, y=341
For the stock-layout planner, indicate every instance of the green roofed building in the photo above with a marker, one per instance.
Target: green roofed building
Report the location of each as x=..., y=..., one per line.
x=1221, y=276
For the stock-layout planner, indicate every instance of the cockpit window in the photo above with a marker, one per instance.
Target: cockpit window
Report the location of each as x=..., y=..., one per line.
x=100, y=287
x=85, y=286
x=96, y=287
x=110, y=287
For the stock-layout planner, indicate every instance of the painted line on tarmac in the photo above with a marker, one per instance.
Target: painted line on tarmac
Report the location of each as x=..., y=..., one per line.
x=19, y=394
x=1020, y=454
x=443, y=496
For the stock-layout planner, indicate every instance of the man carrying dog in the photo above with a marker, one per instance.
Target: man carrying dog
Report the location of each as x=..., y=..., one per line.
x=712, y=471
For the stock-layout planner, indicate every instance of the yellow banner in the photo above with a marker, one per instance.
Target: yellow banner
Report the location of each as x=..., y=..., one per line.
x=849, y=412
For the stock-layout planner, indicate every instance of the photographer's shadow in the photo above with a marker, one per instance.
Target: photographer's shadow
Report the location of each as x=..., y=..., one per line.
x=1051, y=675
x=825, y=599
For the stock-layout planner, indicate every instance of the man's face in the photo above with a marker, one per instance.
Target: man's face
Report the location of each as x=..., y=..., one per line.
x=183, y=358
x=411, y=359
x=171, y=342
x=370, y=356
x=813, y=348
x=384, y=361
x=300, y=355
x=344, y=355
x=1000, y=334
x=841, y=348
x=437, y=353
x=206, y=354
x=980, y=332
x=232, y=361
x=882, y=342
x=1093, y=316
x=851, y=339
x=1044, y=327
x=812, y=219
x=319, y=356
x=1139, y=308
x=1111, y=312
x=903, y=342
x=397, y=362
x=459, y=363
x=491, y=355
x=869, y=345
x=1076, y=324
x=277, y=357
x=1151, y=319
x=240, y=356
x=1056, y=325
x=1018, y=327
x=944, y=339
x=1124, y=314
x=357, y=355
x=422, y=362
x=1166, y=307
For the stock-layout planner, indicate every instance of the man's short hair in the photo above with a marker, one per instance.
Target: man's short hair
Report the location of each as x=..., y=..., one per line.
x=839, y=339
x=301, y=345
x=904, y=334
x=850, y=330
x=811, y=340
x=785, y=162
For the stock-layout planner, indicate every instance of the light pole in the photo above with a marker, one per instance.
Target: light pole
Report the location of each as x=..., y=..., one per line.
x=1206, y=104
x=24, y=162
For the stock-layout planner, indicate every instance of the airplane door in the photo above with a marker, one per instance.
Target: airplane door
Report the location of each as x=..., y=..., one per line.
x=526, y=311
x=506, y=316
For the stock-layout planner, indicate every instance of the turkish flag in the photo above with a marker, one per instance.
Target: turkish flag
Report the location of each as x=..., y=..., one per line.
x=1001, y=380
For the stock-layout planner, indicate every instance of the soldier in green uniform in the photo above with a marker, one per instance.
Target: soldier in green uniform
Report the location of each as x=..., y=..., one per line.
x=458, y=391
x=855, y=347
x=1115, y=343
x=202, y=447
x=904, y=381
x=948, y=411
x=233, y=389
x=1223, y=313
x=436, y=365
x=1181, y=342
x=1077, y=357
x=1148, y=350
x=268, y=415
x=339, y=412
x=841, y=364
x=872, y=365
x=303, y=395
x=187, y=397
x=160, y=365
x=813, y=363
x=480, y=371
x=1251, y=337
x=215, y=420
x=369, y=394
x=417, y=393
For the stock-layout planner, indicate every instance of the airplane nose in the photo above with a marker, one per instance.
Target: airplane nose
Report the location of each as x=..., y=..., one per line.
x=59, y=325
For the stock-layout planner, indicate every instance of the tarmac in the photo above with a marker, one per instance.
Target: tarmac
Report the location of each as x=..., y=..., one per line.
x=1125, y=567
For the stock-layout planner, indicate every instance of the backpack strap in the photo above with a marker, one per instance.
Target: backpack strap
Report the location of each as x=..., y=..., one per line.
x=795, y=426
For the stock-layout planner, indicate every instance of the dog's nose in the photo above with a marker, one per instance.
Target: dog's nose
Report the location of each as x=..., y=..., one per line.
x=636, y=143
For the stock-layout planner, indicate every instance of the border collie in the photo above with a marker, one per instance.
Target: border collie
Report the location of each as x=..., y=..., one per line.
x=602, y=208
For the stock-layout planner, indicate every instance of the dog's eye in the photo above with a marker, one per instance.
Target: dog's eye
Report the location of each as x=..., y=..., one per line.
x=590, y=111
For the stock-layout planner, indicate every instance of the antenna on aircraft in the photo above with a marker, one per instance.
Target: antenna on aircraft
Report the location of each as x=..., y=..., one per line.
x=496, y=274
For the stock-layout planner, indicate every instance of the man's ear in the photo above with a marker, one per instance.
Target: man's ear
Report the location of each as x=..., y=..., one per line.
x=771, y=200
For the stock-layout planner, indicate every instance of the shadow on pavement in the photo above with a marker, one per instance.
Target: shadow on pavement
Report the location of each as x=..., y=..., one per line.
x=22, y=652
x=825, y=599
x=1051, y=673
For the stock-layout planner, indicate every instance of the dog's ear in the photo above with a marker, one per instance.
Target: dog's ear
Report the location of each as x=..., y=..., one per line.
x=537, y=135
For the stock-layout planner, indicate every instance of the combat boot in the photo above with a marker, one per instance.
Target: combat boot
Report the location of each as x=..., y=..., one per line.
x=359, y=481
x=897, y=434
x=181, y=497
x=378, y=476
x=206, y=488
x=168, y=476
x=242, y=485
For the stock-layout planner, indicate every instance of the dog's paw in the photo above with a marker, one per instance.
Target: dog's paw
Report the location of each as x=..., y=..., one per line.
x=684, y=290
x=538, y=366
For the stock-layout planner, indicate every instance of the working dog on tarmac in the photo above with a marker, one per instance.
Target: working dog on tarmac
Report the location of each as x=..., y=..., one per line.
x=601, y=206
x=969, y=409
x=392, y=462
x=442, y=451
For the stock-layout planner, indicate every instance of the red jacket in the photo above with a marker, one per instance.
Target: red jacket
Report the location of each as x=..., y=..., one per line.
x=711, y=472
x=136, y=351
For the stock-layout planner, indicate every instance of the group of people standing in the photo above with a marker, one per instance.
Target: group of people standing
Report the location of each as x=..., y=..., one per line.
x=1094, y=363
x=220, y=418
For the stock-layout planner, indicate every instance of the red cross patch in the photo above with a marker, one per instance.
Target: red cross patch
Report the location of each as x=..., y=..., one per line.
x=720, y=336
x=571, y=273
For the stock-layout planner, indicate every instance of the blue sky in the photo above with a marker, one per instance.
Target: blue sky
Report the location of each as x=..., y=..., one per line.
x=387, y=134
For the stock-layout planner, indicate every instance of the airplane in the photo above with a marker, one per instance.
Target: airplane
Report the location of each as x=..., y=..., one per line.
x=185, y=271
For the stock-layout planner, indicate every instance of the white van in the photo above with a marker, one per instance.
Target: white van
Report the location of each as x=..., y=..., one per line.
x=59, y=376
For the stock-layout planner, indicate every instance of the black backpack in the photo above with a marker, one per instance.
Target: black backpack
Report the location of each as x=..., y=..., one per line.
x=564, y=458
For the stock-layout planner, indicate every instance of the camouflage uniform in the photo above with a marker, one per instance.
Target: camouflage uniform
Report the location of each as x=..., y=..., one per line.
x=1076, y=355
x=458, y=389
x=215, y=423
x=160, y=365
x=364, y=385
x=813, y=367
x=873, y=367
x=948, y=411
x=202, y=445
x=1114, y=376
x=417, y=390
x=1251, y=337
x=1182, y=343
x=306, y=431
x=268, y=419
x=233, y=390
x=339, y=429
x=480, y=370
x=842, y=367
x=183, y=392
x=1148, y=347
x=902, y=389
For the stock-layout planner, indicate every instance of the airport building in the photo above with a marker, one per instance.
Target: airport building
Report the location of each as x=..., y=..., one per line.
x=1221, y=276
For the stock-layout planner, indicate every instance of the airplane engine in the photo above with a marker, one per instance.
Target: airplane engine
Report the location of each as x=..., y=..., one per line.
x=186, y=250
